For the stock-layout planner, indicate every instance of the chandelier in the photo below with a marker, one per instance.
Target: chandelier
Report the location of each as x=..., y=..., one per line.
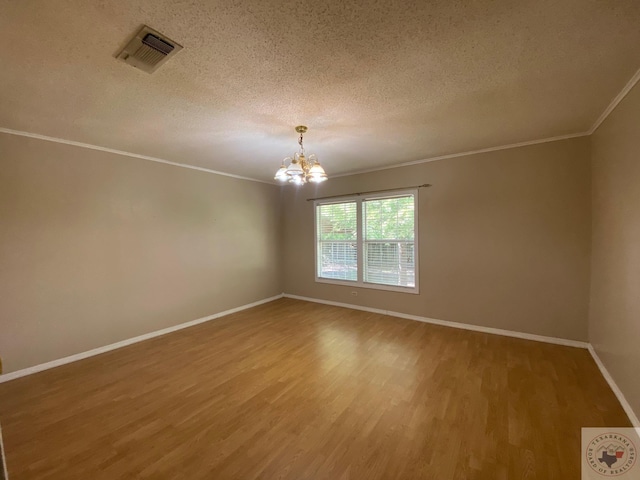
x=301, y=169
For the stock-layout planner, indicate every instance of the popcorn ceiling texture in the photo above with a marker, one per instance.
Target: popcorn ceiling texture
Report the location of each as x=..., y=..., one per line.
x=377, y=82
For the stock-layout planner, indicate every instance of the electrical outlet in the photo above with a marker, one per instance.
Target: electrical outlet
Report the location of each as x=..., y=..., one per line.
x=354, y=293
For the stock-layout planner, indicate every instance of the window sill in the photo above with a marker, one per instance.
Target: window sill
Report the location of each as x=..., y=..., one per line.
x=374, y=286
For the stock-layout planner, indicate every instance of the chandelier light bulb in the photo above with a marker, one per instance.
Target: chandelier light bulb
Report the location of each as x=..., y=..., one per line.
x=316, y=173
x=295, y=168
x=281, y=174
x=297, y=180
x=301, y=169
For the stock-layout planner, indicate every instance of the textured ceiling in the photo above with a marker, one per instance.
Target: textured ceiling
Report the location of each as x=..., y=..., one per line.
x=377, y=82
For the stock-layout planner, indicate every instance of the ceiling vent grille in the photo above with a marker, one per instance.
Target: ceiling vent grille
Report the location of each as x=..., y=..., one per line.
x=148, y=50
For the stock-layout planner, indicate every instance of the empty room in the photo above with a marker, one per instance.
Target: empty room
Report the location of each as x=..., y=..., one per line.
x=333, y=240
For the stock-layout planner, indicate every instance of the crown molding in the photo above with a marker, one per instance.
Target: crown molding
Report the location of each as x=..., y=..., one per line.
x=607, y=111
x=610, y=108
x=470, y=152
x=614, y=103
x=46, y=138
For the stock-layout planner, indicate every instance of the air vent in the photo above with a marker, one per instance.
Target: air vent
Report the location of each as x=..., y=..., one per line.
x=148, y=50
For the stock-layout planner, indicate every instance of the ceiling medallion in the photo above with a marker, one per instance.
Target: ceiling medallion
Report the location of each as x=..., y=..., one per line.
x=301, y=169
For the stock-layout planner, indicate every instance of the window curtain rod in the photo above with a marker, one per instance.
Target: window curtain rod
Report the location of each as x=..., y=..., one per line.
x=425, y=185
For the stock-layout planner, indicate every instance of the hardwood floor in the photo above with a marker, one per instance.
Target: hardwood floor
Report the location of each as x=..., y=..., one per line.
x=294, y=390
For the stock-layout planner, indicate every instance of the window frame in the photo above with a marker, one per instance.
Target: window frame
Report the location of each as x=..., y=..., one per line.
x=359, y=200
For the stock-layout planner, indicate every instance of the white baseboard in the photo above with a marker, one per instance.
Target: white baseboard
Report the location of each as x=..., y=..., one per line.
x=495, y=331
x=445, y=323
x=616, y=390
x=97, y=351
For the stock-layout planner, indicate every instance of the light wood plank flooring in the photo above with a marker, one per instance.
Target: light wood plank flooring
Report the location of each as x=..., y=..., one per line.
x=295, y=390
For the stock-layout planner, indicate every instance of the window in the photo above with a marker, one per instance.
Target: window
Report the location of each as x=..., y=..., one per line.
x=368, y=241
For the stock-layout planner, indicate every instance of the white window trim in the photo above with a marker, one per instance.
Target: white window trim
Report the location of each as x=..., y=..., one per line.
x=360, y=243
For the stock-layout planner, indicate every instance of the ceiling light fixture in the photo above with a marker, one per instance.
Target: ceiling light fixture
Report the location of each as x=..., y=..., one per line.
x=301, y=169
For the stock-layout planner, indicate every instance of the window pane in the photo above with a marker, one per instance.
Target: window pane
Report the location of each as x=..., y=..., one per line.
x=389, y=231
x=337, y=236
x=380, y=229
x=337, y=221
x=388, y=263
x=338, y=260
x=389, y=218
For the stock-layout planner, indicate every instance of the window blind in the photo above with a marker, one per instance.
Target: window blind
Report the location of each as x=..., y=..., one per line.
x=368, y=241
x=337, y=236
x=388, y=241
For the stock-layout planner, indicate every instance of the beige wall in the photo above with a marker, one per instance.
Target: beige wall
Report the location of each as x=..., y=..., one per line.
x=97, y=248
x=504, y=239
x=614, y=320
